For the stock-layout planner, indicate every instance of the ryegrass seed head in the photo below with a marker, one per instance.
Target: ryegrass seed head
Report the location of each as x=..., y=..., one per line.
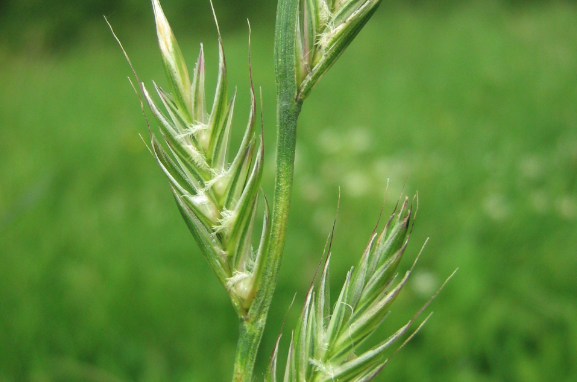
x=324, y=341
x=325, y=29
x=218, y=199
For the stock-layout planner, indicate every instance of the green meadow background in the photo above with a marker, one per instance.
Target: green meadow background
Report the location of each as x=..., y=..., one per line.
x=472, y=104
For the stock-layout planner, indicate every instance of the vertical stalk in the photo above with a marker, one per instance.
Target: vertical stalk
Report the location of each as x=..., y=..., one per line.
x=288, y=109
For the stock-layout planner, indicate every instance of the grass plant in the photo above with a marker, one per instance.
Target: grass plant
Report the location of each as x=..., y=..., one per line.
x=218, y=199
x=475, y=105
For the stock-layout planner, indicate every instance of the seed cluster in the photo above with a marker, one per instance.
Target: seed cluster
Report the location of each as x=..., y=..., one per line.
x=323, y=344
x=218, y=200
x=325, y=29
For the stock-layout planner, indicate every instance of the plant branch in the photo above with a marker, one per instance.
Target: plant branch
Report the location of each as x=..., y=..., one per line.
x=288, y=109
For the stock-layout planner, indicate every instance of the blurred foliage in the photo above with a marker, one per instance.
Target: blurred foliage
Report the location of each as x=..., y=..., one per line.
x=474, y=106
x=54, y=25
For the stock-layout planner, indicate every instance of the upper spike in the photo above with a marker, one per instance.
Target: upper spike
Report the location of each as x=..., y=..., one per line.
x=218, y=201
x=325, y=29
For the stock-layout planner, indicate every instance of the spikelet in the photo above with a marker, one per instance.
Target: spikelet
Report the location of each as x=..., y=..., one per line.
x=217, y=199
x=325, y=29
x=323, y=345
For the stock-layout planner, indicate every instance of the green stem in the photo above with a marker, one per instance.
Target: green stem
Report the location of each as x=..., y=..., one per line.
x=288, y=109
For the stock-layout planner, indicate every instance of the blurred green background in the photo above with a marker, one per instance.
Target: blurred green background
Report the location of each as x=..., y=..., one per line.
x=471, y=103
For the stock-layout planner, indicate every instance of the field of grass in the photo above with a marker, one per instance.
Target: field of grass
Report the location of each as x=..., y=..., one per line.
x=474, y=107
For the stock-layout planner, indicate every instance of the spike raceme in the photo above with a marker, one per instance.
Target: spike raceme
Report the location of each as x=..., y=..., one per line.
x=217, y=200
x=325, y=29
x=323, y=345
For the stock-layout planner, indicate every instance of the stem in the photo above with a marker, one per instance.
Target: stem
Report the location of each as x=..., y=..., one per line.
x=288, y=109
